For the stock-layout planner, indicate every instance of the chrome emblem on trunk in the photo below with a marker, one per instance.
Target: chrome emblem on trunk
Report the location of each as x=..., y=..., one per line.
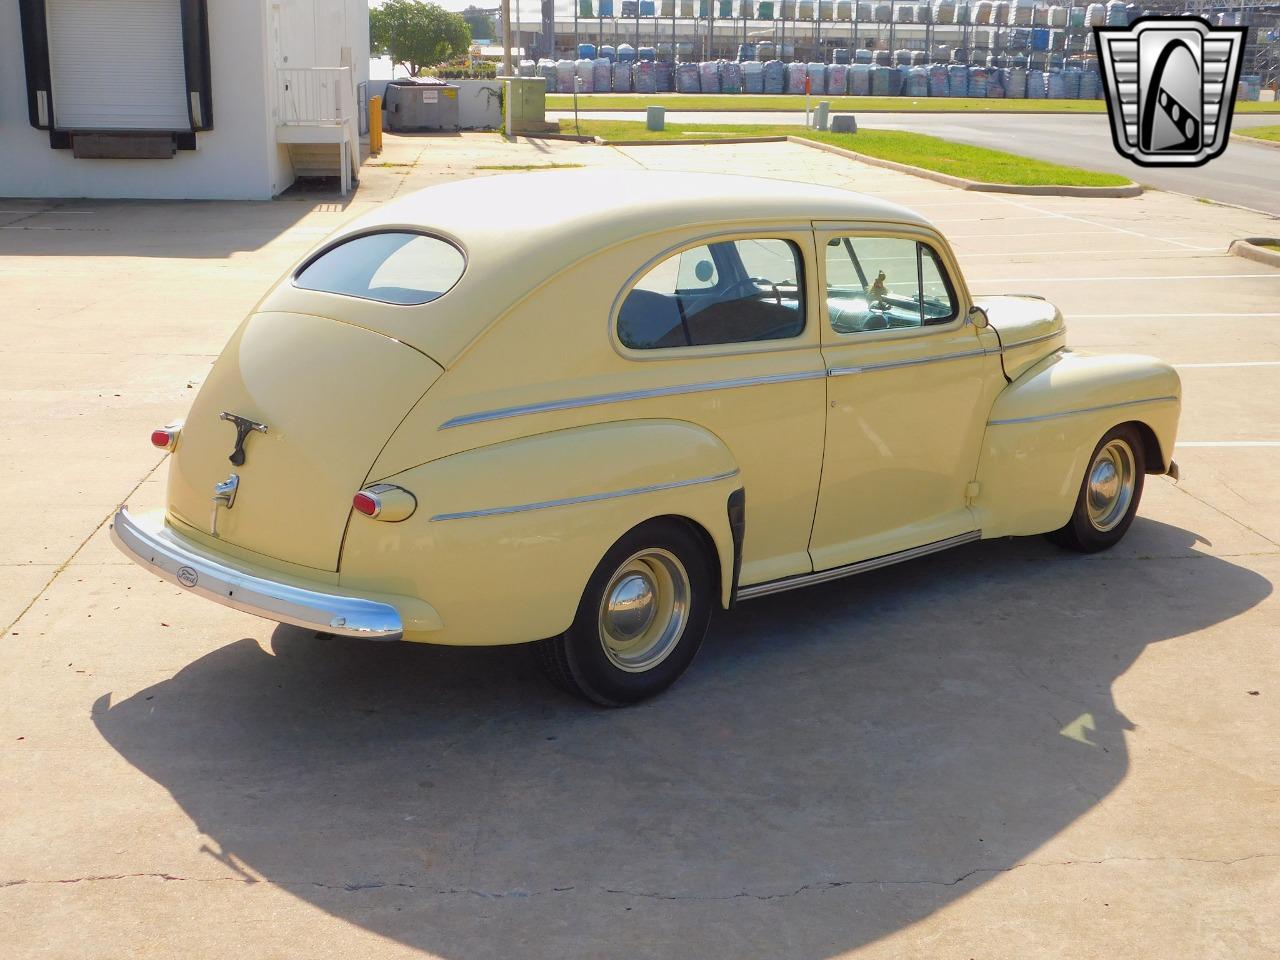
x=243, y=427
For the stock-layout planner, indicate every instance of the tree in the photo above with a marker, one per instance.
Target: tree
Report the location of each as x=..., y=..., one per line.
x=418, y=34
x=480, y=22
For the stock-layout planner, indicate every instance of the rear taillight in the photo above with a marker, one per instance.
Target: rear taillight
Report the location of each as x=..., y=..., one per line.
x=166, y=438
x=385, y=501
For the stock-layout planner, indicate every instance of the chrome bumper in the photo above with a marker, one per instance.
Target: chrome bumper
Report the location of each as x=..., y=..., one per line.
x=150, y=542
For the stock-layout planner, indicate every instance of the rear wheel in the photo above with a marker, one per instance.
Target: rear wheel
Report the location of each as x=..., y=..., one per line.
x=1109, y=494
x=641, y=619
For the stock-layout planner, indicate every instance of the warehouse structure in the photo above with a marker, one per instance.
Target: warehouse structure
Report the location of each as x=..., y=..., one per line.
x=1027, y=33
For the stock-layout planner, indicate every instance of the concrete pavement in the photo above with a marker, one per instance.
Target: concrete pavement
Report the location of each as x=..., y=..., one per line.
x=1005, y=751
x=1246, y=174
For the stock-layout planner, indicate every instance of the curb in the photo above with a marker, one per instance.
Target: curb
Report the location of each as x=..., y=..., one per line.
x=1257, y=141
x=1251, y=249
x=688, y=141
x=573, y=138
x=1038, y=190
x=843, y=109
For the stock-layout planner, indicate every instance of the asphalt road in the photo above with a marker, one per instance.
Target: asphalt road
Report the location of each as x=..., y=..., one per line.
x=1246, y=174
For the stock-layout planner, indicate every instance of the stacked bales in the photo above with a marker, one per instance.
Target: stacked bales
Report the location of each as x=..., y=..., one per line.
x=937, y=80
x=709, y=76
x=978, y=78
x=906, y=14
x=995, y=84
x=1023, y=12
x=565, y=72
x=1096, y=15
x=646, y=54
x=645, y=76
x=860, y=79
x=837, y=79
x=1015, y=82
x=775, y=76
x=1035, y=85
x=917, y=83
x=817, y=73
x=664, y=71
x=753, y=77
x=1117, y=15
x=1076, y=17
x=527, y=68
x=601, y=75
x=796, y=73
x=1058, y=17
x=730, y=77
x=608, y=53
x=766, y=50
x=863, y=56
x=687, y=78
x=1090, y=85
x=586, y=51
x=626, y=53
x=1071, y=84
x=841, y=55
x=844, y=10
x=547, y=71
x=584, y=72
x=883, y=80
x=1000, y=13
x=1055, y=88
x=919, y=58
x=746, y=51
x=622, y=77
x=957, y=80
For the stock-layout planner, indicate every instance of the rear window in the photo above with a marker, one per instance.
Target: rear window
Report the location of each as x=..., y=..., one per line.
x=392, y=267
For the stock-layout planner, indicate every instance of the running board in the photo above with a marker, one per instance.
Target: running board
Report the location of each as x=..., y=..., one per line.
x=862, y=566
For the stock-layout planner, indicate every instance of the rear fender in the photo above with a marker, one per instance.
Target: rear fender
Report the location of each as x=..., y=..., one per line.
x=1044, y=426
x=506, y=536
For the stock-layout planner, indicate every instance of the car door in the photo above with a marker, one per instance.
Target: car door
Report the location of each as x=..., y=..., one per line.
x=908, y=386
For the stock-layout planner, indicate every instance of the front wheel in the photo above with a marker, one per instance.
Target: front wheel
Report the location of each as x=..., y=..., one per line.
x=1109, y=494
x=641, y=619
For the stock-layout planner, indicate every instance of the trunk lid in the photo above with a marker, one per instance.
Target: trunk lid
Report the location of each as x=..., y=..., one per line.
x=329, y=394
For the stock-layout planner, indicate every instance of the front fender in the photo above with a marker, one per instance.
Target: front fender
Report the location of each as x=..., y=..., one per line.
x=506, y=536
x=1044, y=426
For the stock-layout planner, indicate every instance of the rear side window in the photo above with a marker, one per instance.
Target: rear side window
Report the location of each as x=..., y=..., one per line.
x=392, y=267
x=737, y=291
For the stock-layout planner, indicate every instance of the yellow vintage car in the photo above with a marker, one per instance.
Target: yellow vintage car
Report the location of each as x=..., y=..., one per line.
x=586, y=408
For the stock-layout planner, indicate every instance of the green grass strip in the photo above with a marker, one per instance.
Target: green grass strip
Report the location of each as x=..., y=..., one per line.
x=916, y=149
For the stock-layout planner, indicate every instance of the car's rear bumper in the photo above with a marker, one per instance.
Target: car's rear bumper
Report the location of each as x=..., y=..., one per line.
x=152, y=543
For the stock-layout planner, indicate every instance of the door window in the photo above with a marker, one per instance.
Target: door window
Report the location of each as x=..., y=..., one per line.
x=883, y=283
x=737, y=291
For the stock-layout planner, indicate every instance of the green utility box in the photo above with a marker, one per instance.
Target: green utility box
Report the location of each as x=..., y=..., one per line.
x=526, y=104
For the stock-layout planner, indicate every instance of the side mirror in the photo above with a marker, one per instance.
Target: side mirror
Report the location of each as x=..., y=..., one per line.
x=978, y=317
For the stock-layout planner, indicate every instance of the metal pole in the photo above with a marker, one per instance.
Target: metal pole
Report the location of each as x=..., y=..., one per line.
x=506, y=38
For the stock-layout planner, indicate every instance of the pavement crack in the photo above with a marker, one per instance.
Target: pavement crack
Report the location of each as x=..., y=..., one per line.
x=1217, y=509
x=357, y=886
x=76, y=552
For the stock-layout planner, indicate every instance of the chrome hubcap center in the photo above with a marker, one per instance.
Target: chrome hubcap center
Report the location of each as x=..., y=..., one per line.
x=630, y=607
x=1104, y=485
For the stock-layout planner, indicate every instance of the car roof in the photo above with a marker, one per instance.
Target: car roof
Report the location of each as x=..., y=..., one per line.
x=520, y=230
x=610, y=205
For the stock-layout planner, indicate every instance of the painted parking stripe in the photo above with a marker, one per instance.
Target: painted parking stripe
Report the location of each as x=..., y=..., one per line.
x=1227, y=443
x=1163, y=316
x=1236, y=363
x=1183, y=276
x=1097, y=223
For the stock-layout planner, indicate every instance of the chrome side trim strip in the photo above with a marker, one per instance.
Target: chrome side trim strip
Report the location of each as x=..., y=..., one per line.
x=1072, y=413
x=573, y=403
x=1040, y=339
x=912, y=362
x=862, y=566
x=588, y=498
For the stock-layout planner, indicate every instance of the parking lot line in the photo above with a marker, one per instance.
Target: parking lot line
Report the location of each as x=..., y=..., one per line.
x=1185, y=276
x=1095, y=223
x=1236, y=363
x=1227, y=443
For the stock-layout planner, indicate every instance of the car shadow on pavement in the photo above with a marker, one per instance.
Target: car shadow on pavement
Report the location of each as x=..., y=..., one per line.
x=838, y=764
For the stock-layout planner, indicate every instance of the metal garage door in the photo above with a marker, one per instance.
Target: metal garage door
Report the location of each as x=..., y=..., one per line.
x=117, y=65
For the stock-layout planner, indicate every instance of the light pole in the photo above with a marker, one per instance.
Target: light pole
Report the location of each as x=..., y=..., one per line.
x=506, y=38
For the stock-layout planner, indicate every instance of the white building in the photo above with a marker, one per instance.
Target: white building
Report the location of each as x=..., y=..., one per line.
x=179, y=99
